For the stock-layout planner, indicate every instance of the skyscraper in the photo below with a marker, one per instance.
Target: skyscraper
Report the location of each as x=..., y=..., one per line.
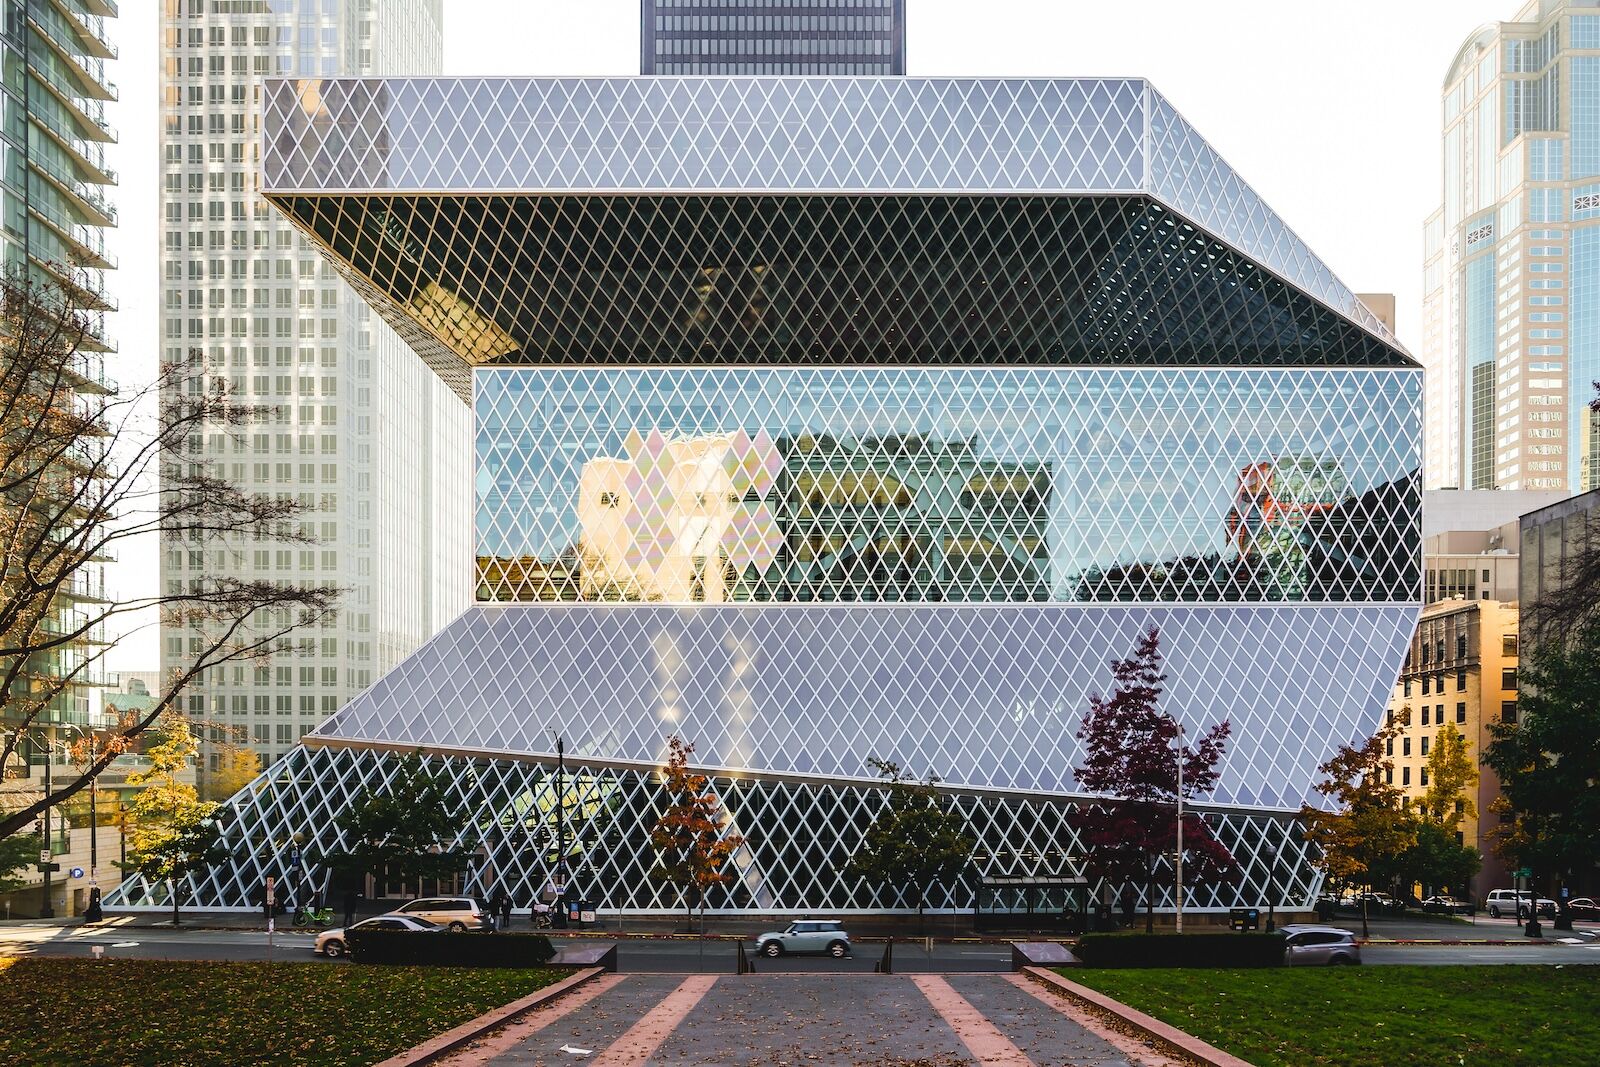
x=362, y=429
x=1512, y=258
x=54, y=211
x=810, y=452
x=863, y=37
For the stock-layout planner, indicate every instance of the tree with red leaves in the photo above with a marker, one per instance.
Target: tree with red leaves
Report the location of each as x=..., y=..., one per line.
x=689, y=836
x=1131, y=750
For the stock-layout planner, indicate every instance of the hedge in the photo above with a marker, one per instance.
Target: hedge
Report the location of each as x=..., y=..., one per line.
x=449, y=950
x=1182, y=950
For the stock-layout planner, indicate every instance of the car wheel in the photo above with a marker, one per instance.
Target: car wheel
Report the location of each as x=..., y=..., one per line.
x=772, y=949
x=1494, y=912
x=333, y=949
x=458, y=927
x=838, y=950
x=1341, y=961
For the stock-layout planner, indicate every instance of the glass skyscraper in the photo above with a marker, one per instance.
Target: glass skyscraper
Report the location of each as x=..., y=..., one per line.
x=820, y=420
x=860, y=37
x=361, y=430
x=1512, y=262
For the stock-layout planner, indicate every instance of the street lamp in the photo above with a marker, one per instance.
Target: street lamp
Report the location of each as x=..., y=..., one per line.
x=1179, y=918
x=1272, y=888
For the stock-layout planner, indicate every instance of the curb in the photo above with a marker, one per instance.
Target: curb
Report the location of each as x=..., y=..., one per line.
x=1165, y=1036
x=1384, y=942
x=437, y=1047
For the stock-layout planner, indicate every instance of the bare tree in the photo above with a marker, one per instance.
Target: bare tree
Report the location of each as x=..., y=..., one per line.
x=79, y=464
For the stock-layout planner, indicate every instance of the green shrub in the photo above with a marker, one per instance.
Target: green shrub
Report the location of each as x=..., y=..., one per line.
x=450, y=950
x=1182, y=950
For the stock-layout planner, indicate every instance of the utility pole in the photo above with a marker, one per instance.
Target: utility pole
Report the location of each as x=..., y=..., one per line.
x=46, y=857
x=561, y=806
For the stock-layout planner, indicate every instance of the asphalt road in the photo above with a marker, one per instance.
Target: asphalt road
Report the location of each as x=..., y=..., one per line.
x=684, y=956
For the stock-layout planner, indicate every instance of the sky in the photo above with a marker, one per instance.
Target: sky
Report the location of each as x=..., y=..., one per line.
x=1330, y=110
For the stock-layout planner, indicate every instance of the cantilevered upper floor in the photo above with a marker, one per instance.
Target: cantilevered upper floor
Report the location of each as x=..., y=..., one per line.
x=800, y=221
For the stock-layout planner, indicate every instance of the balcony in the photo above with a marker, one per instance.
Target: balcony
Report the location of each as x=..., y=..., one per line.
x=96, y=86
x=88, y=118
x=88, y=156
x=89, y=295
x=106, y=9
x=86, y=244
x=91, y=30
x=101, y=212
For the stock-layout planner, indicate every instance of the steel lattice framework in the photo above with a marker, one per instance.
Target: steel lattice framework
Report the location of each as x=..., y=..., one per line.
x=821, y=419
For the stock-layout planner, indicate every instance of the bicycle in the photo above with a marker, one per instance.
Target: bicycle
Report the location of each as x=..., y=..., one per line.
x=304, y=916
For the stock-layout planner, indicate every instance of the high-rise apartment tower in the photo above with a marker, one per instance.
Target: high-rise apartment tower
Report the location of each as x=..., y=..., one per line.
x=862, y=37
x=1512, y=261
x=363, y=430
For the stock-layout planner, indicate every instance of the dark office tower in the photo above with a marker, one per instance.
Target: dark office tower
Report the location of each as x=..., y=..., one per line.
x=773, y=37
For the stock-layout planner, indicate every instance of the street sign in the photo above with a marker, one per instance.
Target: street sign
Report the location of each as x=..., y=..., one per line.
x=76, y=872
x=44, y=855
x=294, y=858
x=1524, y=872
x=50, y=868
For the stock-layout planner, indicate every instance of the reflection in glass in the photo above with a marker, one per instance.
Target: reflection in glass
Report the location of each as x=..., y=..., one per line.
x=895, y=484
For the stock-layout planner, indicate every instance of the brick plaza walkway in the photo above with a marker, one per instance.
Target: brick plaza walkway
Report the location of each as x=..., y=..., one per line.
x=781, y=1019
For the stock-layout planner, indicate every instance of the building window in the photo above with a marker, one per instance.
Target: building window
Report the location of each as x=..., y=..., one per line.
x=1424, y=776
x=1407, y=688
x=1405, y=775
x=1508, y=711
x=1425, y=683
x=1388, y=776
x=1508, y=645
x=1461, y=646
x=1405, y=746
x=1461, y=679
x=1508, y=678
x=1388, y=747
x=1461, y=711
x=1425, y=741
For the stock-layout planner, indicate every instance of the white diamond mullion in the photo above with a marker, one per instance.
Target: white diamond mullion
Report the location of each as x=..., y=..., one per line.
x=798, y=838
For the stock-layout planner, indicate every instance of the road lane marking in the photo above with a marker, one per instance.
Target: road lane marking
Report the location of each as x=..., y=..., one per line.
x=983, y=1038
x=641, y=1040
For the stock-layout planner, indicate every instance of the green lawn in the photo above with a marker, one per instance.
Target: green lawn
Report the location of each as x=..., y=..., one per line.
x=112, y=1013
x=1366, y=1016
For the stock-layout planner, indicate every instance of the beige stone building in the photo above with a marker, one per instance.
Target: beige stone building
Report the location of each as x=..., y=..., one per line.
x=1461, y=671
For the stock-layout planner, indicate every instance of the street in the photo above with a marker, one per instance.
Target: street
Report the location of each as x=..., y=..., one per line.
x=686, y=955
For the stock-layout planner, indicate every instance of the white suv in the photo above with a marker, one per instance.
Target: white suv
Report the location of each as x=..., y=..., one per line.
x=1516, y=902
x=458, y=914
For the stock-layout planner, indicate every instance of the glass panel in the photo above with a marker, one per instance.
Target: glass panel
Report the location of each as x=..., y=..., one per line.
x=717, y=486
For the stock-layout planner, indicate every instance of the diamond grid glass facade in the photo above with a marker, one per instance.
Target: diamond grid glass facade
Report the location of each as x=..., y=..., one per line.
x=813, y=428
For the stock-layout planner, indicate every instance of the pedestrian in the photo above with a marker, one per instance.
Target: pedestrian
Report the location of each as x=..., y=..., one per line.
x=351, y=899
x=497, y=907
x=505, y=911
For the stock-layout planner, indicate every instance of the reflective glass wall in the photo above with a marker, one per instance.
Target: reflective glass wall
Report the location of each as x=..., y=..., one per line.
x=689, y=485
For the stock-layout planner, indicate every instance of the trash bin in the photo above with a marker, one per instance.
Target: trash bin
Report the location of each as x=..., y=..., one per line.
x=576, y=911
x=1244, y=919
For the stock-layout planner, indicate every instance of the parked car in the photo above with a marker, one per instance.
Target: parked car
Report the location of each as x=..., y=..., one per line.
x=1584, y=908
x=458, y=914
x=1443, y=905
x=1516, y=902
x=806, y=935
x=1316, y=946
x=333, y=943
x=1379, y=904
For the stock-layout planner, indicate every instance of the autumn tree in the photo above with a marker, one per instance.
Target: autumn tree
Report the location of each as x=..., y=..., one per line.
x=1369, y=825
x=237, y=766
x=918, y=840
x=1547, y=760
x=1132, y=749
x=406, y=830
x=692, y=849
x=174, y=834
x=1451, y=779
x=79, y=465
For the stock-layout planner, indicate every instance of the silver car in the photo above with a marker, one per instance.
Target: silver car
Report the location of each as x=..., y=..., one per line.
x=1319, y=946
x=333, y=943
x=806, y=935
